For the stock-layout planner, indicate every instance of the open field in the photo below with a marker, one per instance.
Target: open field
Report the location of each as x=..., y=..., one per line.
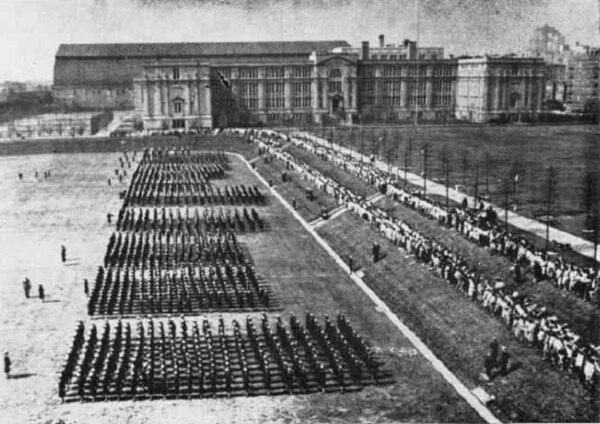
x=500, y=151
x=70, y=208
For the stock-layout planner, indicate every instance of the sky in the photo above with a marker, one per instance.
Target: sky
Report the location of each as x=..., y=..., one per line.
x=31, y=30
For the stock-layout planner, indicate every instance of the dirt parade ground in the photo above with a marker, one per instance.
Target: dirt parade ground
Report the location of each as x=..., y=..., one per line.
x=69, y=206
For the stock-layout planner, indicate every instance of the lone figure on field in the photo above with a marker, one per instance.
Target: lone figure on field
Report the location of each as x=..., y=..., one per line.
x=26, y=287
x=41, y=293
x=503, y=361
x=63, y=253
x=7, y=365
x=86, y=287
x=376, y=250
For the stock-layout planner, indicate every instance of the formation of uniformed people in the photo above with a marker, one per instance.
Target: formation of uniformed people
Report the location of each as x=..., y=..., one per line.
x=185, y=359
x=190, y=289
x=180, y=262
x=528, y=321
x=181, y=177
x=209, y=220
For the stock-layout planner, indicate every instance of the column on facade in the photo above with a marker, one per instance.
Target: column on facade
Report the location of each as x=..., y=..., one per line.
x=261, y=95
x=287, y=91
x=196, y=94
x=147, y=96
x=429, y=93
x=187, y=95
x=403, y=93
x=314, y=93
x=346, y=92
x=157, y=98
x=355, y=94
x=168, y=106
x=161, y=89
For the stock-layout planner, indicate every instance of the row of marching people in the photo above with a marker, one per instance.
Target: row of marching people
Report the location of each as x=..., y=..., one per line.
x=189, y=194
x=186, y=290
x=210, y=220
x=183, y=155
x=189, y=359
x=166, y=250
x=478, y=224
x=177, y=173
x=517, y=312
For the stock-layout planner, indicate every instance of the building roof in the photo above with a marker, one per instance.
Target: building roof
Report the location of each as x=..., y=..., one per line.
x=152, y=50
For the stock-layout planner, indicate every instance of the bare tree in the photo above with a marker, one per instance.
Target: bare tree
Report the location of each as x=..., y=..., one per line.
x=465, y=163
x=550, y=195
x=591, y=193
x=490, y=165
x=506, y=188
x=425, y=156
x=446, y=160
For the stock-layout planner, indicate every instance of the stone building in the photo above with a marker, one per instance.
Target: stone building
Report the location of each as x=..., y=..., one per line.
x=503, y=89
x=583, y=75
x=190, y=85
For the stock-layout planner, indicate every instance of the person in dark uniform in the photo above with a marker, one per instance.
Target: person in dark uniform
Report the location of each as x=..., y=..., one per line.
x=351, y=264
x=86, y=287
x=109, y=217
x=294, y=203
x=7, y=364
x=494, y=347
x=26, y=287
x=518, y=275
x=63, y=253
x=41, y=293
x=376, y=250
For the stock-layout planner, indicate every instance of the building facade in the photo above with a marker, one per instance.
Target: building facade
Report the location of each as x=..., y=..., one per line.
x=503, y=89
x=191, y=85
x=582, y=78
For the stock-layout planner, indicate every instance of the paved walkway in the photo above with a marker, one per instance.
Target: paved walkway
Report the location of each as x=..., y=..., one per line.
x=578, y=244
x=468, y=395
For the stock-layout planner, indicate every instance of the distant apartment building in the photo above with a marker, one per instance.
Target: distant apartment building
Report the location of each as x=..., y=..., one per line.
x=582, y=78
x=500, y=89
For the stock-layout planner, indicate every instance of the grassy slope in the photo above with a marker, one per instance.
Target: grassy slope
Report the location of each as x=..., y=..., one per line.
x=459, y=332
x=582, y=316
x=295, y=188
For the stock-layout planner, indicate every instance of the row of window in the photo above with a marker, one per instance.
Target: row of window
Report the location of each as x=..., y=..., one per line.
x=271, y=72
x=402, y=57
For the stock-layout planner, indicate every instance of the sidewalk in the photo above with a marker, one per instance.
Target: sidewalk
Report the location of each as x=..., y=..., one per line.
x=579, y=245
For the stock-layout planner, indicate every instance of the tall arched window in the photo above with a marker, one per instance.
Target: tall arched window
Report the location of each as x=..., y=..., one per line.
x=177, y=105
x=335, y=73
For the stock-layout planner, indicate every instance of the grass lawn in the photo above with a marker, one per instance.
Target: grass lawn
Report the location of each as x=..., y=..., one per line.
x=295, y=188
x=70, y=208
x=581, y=316
x=459, y=332
x=572, y=150
x=332, y=171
